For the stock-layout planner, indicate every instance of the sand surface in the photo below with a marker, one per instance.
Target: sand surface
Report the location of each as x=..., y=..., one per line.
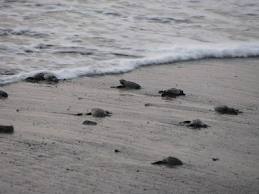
x=52, y=152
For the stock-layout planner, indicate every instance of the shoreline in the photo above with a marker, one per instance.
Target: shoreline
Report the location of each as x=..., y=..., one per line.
x=51, y=151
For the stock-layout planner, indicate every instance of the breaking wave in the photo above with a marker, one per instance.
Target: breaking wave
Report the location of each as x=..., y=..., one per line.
x=155, y=57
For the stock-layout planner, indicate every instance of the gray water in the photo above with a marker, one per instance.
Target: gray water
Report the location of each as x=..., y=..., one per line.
x=88, y=37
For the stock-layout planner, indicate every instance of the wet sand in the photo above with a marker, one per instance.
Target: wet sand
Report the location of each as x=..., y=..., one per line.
x=52, y=152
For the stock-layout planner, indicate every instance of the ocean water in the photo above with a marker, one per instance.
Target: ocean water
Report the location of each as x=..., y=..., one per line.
x=74, y=38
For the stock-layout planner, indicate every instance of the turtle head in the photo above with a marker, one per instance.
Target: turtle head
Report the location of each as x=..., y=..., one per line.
x=182, y=93
x=122, y=81
x=161, y=91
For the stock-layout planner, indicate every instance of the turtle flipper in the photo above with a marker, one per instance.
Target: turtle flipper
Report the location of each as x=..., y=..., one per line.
x=161, y=162
x=108, y=113
x=120, y=86
x=160, y=91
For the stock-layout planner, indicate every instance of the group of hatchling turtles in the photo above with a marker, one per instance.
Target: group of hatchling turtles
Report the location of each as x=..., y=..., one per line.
x=170, y=93
x=124, y=84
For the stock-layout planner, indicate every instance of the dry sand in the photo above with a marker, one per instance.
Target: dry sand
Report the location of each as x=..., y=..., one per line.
x=52, y=152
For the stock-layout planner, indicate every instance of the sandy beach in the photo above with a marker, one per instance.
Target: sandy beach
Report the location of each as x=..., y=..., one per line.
x=51, y=151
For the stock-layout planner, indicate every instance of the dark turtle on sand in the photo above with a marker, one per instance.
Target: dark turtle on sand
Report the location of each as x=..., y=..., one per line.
x=172, y=92
x=128, y=85
x=195, y=124
x=6, y=129
x=227, y=110
x=43, y=77
x=97, y=112
x=3, y=94
x=169, y=162
x=87, y=122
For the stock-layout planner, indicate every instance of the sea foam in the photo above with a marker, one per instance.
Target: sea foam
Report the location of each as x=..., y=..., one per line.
x=155, y=57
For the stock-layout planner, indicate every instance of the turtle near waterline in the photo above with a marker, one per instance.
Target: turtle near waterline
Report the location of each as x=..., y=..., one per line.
x=128, y=85
x=3, y=94
x=172, y=92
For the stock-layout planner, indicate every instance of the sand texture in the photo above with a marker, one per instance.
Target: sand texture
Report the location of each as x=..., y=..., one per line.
x=51, y=151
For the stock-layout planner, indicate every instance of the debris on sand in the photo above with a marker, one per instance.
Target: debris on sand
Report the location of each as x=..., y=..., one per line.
x=169, y=162
x=97, y=112
x=227, y=110
x=3, y=94
x=117, y=151
x=87, y=122
x=43, y=77
x=6, y=129
x=172, y=92
x=195, y=124
x=127, y=85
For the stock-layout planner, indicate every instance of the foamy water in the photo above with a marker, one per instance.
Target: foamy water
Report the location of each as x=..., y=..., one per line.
x=77, y=38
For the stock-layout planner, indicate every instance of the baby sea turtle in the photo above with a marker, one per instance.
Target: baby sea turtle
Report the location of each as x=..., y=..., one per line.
x=195, y=124
x=3, y=94
x=97, y=112
x=128, y=85
x=41, y=77
x=169, y=162
x=227, y=110
x=172, y=92
x=6, y=129
x=88, y=122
